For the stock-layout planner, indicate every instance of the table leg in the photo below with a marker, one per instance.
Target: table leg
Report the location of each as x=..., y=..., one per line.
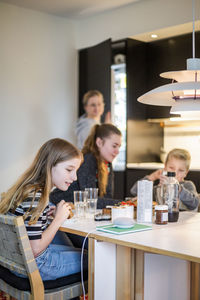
x=91, y=268
x=194, y=281
x=123, y=276
x=139, y=275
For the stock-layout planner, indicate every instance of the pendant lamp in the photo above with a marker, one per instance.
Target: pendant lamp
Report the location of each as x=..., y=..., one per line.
x=183, y=94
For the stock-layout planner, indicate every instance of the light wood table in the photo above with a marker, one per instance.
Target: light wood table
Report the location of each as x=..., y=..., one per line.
x=124, y=267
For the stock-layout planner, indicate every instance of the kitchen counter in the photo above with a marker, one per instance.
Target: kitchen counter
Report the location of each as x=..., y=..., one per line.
x=155, y=166
x=145, y=165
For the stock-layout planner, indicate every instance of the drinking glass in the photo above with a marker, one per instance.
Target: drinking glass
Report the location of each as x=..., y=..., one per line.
x=80, y=203
x=92, y=197
x=158, y=194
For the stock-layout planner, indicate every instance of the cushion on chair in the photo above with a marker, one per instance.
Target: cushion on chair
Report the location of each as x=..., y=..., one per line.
x=24, y=285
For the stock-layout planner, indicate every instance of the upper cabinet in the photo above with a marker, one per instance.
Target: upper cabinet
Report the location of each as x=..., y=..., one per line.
x=95, y=72
x=144, y=63
x=136, y=78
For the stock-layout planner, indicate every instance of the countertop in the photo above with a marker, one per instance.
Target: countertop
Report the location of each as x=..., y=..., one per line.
x=155, y=166
x=146, y=165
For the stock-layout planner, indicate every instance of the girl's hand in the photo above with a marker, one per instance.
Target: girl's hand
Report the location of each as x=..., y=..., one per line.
x=72, y=205
x=108, y=117
x=62, y=211
x=52, y=211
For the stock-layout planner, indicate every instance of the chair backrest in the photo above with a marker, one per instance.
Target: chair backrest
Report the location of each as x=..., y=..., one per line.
x=16, y=252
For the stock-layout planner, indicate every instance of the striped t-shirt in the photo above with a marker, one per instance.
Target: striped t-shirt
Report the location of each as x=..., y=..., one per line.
x=34, y=231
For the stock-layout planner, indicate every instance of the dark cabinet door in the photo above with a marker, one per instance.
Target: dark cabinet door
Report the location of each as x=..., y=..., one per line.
x=136, y=78
x=95, y=72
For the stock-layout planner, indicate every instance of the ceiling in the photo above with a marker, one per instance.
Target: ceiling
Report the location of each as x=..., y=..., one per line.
x=167, y=32
x=74, y=9
x=80, y=9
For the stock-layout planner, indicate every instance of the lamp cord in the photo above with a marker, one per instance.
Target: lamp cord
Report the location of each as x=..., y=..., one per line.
x=193, y=31
x=82, y=252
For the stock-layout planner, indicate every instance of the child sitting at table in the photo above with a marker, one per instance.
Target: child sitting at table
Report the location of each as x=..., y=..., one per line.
x=55, y=165
x=178, y=161
x=100, y=149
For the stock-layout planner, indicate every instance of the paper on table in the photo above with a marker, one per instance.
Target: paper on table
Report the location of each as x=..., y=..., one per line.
x=116, y=230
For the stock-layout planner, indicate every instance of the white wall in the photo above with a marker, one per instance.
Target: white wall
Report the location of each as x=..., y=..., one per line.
x=137, y=18
x=38, y=86
x=38, y=71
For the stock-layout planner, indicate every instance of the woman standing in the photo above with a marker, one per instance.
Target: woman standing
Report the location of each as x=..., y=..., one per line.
x=93, y=103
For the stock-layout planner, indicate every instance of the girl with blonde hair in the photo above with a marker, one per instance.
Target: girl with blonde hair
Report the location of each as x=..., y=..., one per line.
x=55, y=165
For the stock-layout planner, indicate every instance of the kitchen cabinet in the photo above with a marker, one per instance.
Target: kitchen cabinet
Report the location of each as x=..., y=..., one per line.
x=144, y=63
x=95, y=73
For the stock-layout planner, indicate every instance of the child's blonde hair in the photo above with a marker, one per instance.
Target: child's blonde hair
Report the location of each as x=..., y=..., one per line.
x=181, y=154
x=38, y=177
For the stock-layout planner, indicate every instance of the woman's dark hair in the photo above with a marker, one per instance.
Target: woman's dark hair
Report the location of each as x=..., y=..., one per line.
x=103, y=132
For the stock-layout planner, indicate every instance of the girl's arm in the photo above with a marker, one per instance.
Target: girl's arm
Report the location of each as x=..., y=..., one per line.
x=61, y=214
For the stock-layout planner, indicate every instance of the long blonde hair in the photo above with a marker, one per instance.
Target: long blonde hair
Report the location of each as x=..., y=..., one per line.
x=37, y=178
x=102, y=131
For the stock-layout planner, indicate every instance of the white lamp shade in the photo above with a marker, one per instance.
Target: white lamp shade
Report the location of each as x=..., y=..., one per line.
x=165, y=95
x=185, y=106
x=182, y=76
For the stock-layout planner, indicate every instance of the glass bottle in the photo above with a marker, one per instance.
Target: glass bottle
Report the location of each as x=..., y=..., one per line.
x=171, y=196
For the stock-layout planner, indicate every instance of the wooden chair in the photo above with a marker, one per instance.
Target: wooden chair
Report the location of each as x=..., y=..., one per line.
x=16, y=255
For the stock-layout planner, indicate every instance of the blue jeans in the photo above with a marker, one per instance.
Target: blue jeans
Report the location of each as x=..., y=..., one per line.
x=59, y=261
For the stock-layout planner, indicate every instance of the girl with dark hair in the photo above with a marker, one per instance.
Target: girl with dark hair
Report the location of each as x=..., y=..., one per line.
x=99, y=150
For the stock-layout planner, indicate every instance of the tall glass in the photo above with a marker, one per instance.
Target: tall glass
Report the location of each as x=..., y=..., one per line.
x=80, y=203
x=158, y=194
x=92, y=197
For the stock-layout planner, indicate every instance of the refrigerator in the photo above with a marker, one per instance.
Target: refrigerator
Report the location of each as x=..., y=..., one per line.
x=118, y=110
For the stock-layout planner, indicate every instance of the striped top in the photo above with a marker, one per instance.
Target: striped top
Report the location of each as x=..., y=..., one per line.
x=34, y=231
